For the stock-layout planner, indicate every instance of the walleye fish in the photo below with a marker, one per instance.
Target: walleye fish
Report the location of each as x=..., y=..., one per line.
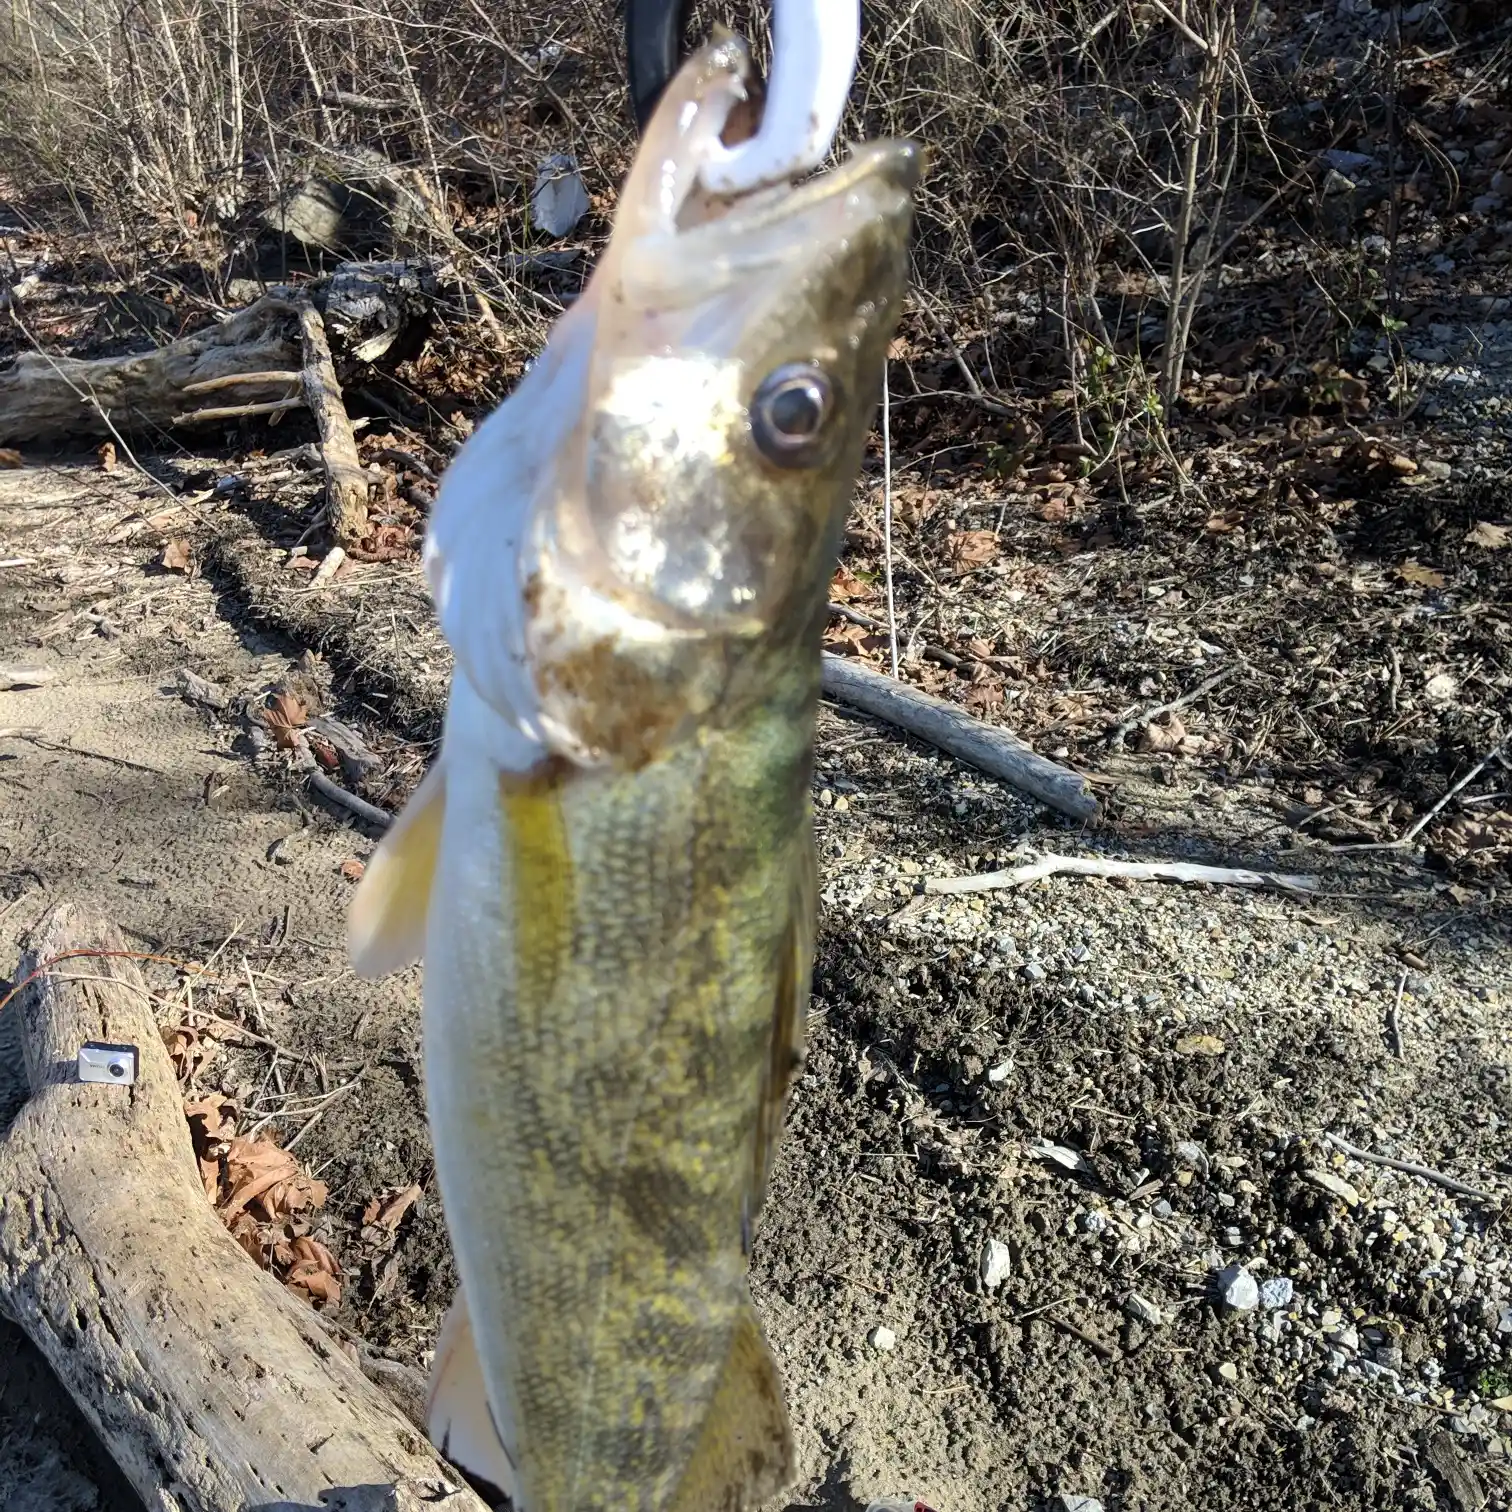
x=609, y=871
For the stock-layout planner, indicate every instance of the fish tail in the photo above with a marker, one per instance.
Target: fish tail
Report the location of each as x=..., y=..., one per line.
x=744, y=1456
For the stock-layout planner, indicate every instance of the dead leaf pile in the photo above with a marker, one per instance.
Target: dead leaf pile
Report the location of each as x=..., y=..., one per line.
x=1475, y=840
x=265, y=1198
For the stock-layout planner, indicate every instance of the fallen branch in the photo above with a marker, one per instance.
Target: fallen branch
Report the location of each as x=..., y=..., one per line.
x=209, y=1383
x=12, y=678
x=350, y=801
x=991, y=749
x=237, y=411
x=346, y=483
x=1412, y=1168
x=1136, y=871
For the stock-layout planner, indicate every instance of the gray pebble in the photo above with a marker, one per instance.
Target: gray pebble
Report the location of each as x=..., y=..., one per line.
x=1073, y=1503
x=1032, y=971
x=1276, y=1293
x=1142, y=1310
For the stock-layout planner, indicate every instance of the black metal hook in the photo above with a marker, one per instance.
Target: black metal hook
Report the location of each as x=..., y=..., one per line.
x=653, y=47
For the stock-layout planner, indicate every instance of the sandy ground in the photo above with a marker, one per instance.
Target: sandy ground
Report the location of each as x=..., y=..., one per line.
x=1121, y=1092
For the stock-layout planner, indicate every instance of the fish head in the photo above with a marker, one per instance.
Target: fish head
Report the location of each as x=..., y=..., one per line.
x=713, y=389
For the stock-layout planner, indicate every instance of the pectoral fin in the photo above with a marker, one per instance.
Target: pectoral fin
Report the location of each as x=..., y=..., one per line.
x=745, y=1453
x=386, y=925
x=457, y=1415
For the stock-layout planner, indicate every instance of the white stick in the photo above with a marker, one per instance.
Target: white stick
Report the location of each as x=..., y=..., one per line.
x=1138, y=871
x=892, y=619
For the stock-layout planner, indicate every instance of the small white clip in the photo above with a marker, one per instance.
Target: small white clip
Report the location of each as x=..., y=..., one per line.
x=113, y=1064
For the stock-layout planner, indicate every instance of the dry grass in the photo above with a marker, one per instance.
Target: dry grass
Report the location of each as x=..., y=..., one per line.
x=1100, y=154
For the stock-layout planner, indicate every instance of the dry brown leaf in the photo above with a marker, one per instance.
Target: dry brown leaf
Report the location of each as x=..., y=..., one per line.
x=1420, y=576
x=283, y=715
x=353, y=870
x=106, y=452
x=10, y=457
x=1225, y=523
x=845, y=586
x=1052, y=510
x=1492, y=537
x=971, y=548
x=1163, y=738
x=177, y=556
x=321, y=1288
x=387, y=1209
x=983, y=698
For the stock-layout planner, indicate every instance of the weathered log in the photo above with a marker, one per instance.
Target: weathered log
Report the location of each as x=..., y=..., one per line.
x=996, y=751
x=346, y=483
x=46, y=400
x=212, y=1387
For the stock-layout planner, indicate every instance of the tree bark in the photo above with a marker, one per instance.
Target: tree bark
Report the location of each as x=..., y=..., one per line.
x=214, y=1389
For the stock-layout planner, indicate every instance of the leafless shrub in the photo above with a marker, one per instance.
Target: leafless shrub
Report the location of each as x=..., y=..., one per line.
x=1068, y=138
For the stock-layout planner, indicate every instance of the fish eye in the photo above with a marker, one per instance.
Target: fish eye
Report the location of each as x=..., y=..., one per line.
x=790, y=414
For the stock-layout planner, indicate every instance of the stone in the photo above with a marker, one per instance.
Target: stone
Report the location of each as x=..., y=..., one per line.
x=1142, y=1310
x=1276, y=1292
x=996, y=1264
x=1238, y=1288
x=882, y=1338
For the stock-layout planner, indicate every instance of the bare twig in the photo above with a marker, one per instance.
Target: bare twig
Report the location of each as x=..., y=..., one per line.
x=1050, y=865
x=237, y=411
x=1119, y=733
x=1411, y=1168
x=359, y=806
x=235, y=380
x=404, y=459
x=926, y=648
x=1393, y=1020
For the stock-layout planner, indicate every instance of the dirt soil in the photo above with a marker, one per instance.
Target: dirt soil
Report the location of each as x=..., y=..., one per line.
x=1116, y=1095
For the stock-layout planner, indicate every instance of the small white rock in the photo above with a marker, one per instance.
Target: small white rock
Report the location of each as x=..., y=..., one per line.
x=1142, y=1310
x=1070, y=1502
x=997, y=1264
x=883, y=1338
x=1238, y=1288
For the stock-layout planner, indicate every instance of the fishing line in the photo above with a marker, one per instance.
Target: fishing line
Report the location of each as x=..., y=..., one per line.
x=892, y=623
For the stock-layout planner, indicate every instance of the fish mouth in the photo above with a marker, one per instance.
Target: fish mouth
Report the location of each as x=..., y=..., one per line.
x=685, y=245
x=771, y=230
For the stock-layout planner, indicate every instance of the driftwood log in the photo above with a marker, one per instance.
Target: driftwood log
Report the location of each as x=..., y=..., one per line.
x=47, y=400
x=989, y=748
x=213, y=1388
